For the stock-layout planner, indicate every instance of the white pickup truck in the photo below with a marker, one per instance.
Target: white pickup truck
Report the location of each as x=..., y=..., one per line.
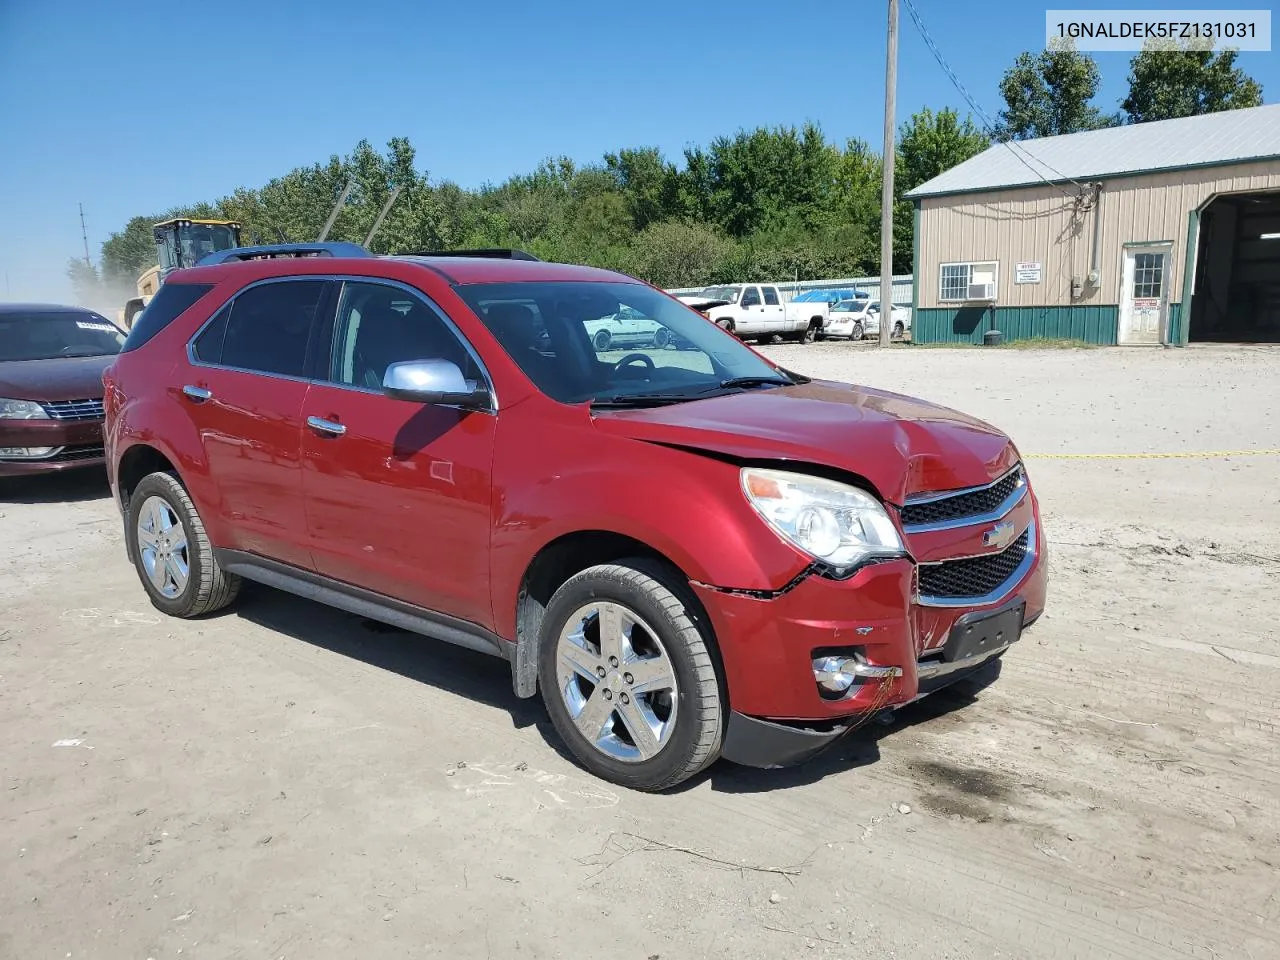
x=756, y=310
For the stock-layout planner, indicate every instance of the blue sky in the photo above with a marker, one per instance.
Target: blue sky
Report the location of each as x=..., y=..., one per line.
x=133, y=106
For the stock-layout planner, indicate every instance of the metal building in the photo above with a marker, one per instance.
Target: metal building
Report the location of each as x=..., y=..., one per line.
x=1153, y=233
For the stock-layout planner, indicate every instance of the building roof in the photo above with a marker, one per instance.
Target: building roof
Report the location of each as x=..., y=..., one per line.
x=1233, y=136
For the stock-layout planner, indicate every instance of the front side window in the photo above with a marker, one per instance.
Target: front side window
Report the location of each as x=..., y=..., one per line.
x=379, y=325
x=265, y=329
x=751, y=297
x=47, y=336
x=567, y=338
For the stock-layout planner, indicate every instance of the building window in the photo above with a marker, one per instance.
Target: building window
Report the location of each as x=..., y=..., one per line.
x=961, y=282
x=1148, y=276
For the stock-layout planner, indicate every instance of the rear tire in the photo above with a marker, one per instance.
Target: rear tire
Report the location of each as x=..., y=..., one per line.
x=601, y=340
x=898, y=330
x=634, y=613
x=661, y=339
x=810, y=332
x=171, y=550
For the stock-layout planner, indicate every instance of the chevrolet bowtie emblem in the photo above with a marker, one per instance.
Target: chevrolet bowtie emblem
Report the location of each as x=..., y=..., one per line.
x=999, y=536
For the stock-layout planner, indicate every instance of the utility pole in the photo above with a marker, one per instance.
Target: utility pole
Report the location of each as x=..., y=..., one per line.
x=85, y=234
x=886, y=194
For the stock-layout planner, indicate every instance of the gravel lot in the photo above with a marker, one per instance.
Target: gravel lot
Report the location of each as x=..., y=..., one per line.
x=286, y=781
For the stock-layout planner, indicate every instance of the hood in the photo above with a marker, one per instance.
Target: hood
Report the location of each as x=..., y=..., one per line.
x=70, y=378
x=901, y=445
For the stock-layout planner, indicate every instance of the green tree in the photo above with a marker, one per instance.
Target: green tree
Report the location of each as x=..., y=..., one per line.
x=928, y=144
x=1168, y=79
x=1049, y=93
x=676, y=254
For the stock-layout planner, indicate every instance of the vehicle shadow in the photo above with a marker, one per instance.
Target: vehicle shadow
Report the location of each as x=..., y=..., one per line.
x=859, y=748
x=74, y=486
x=487, y=680
x=447, y=667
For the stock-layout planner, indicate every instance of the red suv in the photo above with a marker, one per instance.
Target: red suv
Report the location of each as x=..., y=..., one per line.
x=690, y=551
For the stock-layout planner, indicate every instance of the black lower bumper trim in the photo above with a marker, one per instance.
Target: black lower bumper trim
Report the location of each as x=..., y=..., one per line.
x=753, y=742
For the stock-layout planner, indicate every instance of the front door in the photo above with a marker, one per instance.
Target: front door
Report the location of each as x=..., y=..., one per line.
x=751, y=311
x=398, y=494
x=1144, y=297
x=244, y=395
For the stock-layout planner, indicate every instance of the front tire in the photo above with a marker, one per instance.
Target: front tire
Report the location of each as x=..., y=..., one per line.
x=171, y=550
x=898, y=330
x=602, y=339
x=857, y=332
x=628, y=677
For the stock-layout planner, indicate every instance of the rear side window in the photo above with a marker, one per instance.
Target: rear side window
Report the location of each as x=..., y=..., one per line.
x=771, y=296
x=169, y=303
x=265, y=329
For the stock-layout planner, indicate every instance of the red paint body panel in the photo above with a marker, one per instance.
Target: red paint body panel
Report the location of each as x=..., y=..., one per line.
x=400, y=503
x=447, y=510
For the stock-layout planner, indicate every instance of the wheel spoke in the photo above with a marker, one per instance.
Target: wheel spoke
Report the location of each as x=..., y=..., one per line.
x=593, y=716
x=580, y=660
x=650, y=675
x=644, y=731
x=177, y=571
x=146, y=537
x=613, y=639
x=179, y=541
x=164, y=517
x=156, y=571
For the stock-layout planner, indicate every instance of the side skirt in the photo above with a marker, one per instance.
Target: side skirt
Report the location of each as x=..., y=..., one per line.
x=363, y=603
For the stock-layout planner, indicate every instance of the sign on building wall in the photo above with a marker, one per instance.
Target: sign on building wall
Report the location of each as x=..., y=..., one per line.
x=1027, y=272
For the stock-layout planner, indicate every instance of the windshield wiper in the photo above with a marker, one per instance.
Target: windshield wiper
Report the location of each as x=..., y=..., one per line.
x=753, y=382
x=644, y=399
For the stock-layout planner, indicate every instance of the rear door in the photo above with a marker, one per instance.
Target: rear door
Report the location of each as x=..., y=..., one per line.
x=774, y=310
x=398, y=494
x=244, y=392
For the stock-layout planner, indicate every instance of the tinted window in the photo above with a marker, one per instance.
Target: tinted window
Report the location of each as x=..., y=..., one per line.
x=567, y=338
x=269, y=326
x=44, y=336
x=208, y=346
x=169, y=303
x=379, y=325
x=771, y=296
x=751, y=297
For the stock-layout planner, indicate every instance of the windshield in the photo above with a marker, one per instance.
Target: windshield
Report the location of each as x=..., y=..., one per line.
x=45, y=336
x=615, y=342
x=722, y=293
x=848, y=306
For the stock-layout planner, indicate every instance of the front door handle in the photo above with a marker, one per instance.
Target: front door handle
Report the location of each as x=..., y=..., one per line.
x=198, y=394
x=321, y=425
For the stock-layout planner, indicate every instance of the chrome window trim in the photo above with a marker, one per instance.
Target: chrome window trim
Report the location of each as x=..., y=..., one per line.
x=1001, y=592
x=1000, y=511
x=340, y=278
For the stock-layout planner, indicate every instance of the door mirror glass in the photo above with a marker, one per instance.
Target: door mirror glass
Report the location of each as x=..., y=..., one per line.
x=434, y=381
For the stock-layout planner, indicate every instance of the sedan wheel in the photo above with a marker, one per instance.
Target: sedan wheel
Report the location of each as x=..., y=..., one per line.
x=857, y=332
x=162, y=548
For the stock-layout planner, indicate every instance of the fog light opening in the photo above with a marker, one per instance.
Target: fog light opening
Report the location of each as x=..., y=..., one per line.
x=837, y=674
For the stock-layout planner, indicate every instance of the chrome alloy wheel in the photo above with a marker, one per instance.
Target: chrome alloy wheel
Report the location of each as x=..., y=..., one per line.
x=162, y=544
x=617, y=682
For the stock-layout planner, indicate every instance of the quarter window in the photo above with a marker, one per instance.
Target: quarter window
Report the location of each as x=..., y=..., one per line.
x=265, y=329
x=379, y=325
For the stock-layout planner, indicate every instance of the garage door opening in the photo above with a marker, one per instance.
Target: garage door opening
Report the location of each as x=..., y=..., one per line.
x=1236, y=295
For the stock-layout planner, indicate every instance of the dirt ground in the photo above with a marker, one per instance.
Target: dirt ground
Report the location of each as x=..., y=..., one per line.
x=286, y=781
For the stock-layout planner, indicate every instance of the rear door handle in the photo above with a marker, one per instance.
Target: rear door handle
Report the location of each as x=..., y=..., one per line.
x=198, y=394
x=321, y=425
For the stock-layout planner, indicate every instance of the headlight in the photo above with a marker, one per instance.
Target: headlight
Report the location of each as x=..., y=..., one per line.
x=21, y=410
x=833, y=522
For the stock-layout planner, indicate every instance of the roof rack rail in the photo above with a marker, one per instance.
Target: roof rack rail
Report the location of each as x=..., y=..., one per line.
x=272, y=251
x=495, y=253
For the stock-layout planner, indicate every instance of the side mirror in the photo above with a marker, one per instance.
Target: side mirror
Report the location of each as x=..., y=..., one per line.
x=434, y=381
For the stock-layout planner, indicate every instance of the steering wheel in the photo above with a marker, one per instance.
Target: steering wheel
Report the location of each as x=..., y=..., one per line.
x=632, y=358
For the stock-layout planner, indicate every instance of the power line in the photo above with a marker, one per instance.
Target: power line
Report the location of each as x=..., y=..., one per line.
x=991, y=129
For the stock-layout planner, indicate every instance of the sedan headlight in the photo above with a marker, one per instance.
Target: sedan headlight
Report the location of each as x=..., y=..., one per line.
x=836, y=523
x=21, y=410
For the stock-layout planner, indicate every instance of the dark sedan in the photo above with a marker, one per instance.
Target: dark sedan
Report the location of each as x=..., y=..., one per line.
x=51, y=364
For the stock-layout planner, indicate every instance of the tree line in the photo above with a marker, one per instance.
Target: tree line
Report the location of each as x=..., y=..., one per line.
x=769, y=203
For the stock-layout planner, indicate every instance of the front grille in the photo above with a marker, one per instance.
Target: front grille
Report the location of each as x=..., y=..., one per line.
x=972, y=503
x=72, y=454
x=73, y=409
x=973, y=576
